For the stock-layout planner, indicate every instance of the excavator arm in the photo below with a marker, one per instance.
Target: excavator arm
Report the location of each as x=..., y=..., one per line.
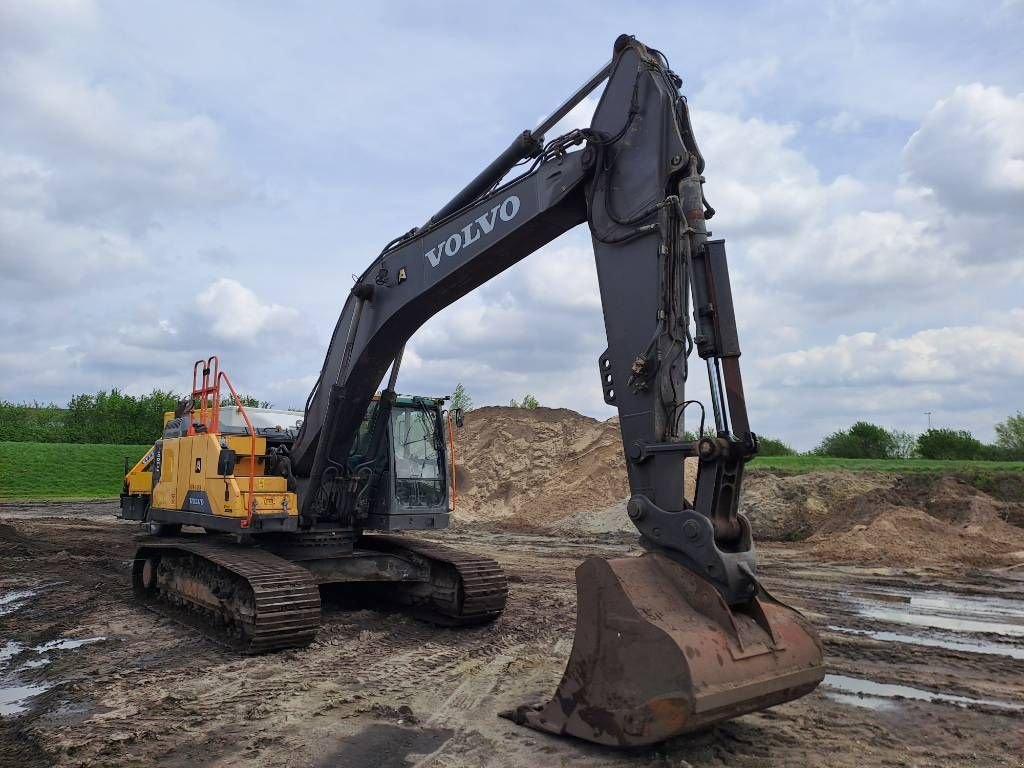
x=635, y=177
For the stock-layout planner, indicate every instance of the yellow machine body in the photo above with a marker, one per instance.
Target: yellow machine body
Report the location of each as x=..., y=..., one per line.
x=204, y=479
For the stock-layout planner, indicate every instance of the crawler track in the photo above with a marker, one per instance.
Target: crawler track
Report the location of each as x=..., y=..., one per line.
x=465, y=588
x=240, y=596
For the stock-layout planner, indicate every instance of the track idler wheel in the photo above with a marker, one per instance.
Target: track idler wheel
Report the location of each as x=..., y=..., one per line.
x=659, y=653
x=147, y=576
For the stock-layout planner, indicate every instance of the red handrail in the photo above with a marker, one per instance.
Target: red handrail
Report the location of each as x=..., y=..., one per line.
x=202, y=391
x=251, y=506
x=207, y=392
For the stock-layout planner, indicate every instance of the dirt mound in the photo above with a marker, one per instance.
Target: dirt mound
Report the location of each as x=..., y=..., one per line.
x=791, y=507
x=544, y=469
x=920, y=520
x=554, y=470
x=531, y=468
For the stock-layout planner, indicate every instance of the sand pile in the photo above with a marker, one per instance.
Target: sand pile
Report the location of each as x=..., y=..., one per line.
x=786, y=507
x=921, y=520
x=554, y=470
x=529, y=469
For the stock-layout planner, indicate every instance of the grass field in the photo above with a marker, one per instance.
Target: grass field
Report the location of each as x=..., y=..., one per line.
x=87, y=471
x=813, y=463
x=63, y=470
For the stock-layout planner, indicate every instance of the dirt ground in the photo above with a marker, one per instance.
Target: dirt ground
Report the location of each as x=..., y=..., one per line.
x=89, y=678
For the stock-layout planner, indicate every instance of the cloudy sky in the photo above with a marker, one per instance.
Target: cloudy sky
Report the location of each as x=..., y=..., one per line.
x=180, y=179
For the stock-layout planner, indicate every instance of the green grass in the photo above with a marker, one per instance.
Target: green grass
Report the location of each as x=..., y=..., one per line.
x=63, y=470
x=813, y=463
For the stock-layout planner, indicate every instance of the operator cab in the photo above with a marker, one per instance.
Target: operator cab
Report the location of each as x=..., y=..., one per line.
x=413, y=491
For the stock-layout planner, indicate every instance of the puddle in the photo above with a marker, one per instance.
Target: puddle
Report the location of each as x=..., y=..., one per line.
x=875, y=703
x=11, y=649
x=66, y=645
x=962, y=644
x=14, y=698
x=12, y=601
x=864, y=690
x=942, y=610
x=16, y=693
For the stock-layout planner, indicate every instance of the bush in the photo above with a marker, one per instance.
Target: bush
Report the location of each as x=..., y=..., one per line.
x=529, y=401
x=906, y=444
x=770, y=446
x=998, y=453
x=114, y=417
x=24, y=422
x=248, y=401
x=949, y=444
x=461, y=399
x=1010, y=434
x=861, y=441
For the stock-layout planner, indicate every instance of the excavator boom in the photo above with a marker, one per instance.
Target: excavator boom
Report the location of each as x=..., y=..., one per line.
x=683, y=636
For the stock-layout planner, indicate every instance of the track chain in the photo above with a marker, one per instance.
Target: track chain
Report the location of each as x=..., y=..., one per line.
x=466, y=588
x=284, y=598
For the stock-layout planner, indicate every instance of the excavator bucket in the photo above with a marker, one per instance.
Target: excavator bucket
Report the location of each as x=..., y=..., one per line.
x=659, y=653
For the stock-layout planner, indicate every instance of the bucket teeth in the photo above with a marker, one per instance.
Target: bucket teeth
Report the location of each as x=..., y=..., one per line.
x=659, y=653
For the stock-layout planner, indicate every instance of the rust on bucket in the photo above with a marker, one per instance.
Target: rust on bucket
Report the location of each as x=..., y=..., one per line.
x=659, y=653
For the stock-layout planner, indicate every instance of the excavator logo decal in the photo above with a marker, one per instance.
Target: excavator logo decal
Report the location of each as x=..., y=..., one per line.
x=506, y=210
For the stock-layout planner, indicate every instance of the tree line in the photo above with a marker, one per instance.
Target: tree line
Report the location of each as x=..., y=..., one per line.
x=105, y=417
x=864, y=440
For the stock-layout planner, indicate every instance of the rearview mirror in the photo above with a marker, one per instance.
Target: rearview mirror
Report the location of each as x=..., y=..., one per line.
x=460, y=417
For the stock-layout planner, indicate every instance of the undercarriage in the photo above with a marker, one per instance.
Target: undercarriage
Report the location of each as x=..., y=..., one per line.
x=257, y=598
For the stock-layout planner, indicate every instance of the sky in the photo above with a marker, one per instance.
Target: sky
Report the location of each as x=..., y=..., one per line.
x=186, y=179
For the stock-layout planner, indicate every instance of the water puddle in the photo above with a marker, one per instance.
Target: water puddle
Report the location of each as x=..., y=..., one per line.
x=864, y=702
x=14, y=698
x=16, y=693
x=873, y=695
x=942, y=610
x=66, y=645
x=12, y=601
x=11, y=649
x=962, y=644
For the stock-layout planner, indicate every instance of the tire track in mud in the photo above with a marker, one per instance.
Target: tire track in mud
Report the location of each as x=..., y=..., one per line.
x=154, y=692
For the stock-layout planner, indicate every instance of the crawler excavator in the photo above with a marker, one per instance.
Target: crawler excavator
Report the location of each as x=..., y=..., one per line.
x=674, y=640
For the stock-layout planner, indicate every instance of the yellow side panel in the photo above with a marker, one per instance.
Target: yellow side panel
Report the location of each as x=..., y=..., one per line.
x=140, y=482
x=241, y=444
x=268, y=483
x=165, y=494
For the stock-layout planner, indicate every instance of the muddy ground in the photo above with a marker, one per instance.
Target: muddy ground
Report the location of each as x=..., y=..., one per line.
x=383, y=690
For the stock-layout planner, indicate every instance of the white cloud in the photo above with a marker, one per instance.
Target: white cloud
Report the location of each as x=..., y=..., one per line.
x=761, y=185
x=104, y=159
x=234, y=313
x=842, y=122
x=729, y=85
x=953, y=354
x=970, y=151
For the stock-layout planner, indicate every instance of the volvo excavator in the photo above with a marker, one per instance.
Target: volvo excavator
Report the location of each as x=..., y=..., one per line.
x=671, y=641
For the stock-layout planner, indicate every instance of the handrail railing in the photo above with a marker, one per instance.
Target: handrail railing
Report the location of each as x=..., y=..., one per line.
x=203, y=389
x=251, y=506
x=207, y=391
